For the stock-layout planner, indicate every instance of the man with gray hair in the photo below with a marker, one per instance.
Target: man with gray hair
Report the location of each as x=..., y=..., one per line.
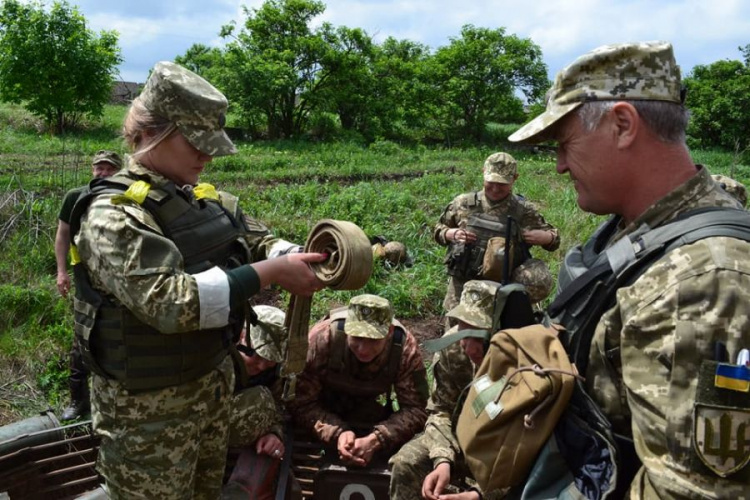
x=666, y=330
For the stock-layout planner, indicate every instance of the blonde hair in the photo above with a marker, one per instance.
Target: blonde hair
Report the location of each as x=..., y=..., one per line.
x=140, y=120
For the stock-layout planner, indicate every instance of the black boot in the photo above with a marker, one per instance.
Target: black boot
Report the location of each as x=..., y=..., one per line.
x=80, y=405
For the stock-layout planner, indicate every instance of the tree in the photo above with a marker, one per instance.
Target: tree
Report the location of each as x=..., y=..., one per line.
x=52, y=64
x=718, y=97
x=202, y=60
x=276, y=62
x=480, y=73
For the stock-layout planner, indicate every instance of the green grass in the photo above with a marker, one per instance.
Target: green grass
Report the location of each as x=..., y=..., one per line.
x=386, y=189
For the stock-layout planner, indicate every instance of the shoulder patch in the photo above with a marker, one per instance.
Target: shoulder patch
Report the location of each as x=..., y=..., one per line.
x=721, y=437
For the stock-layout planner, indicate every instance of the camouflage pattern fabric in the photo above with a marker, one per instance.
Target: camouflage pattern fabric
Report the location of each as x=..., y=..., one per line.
x=536, y=277
x=477, y=305
x=111, y=244
x=635, y=71
x=269, y=337
x=500, y=167
x=130, y=262
x=369, y=316
x=400, y=426
x=666, y=325
x=452, y=371
x=733, y=187
x=107, y=156
x=457, y=214
x=169, y=443
x=255, y=413
x=190, y=102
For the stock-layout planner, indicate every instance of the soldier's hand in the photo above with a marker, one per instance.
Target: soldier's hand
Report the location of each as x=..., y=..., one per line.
x=458, y=234
x=270, y=445
x=364, y=448
x=345, y=445
x=63, y=283
x=292, y=272
x=436, y=481
x=538, y=237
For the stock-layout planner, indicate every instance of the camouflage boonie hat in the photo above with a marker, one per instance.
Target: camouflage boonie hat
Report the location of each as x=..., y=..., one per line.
x=369, y=316
x=477, y=304
x=107, y=157
x=734, y=188
x=629, y=71
x=190, y=102
x=500, y=167
x=268, y=337
x=536, y=277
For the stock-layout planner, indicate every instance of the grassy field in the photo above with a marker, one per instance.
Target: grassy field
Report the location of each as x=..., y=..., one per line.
x=384, y=188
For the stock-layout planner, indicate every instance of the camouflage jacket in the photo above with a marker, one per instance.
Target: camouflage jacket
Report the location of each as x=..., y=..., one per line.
x=452, y=371
x=112, y=244
x=410, y=387
x=664, y=327
x=457, y=213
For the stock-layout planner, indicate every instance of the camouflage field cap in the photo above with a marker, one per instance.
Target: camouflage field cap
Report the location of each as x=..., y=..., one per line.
x=369, y=316
x=106, y=156
x=734, y=188
x=630, y=71
x=268, y=337
x=191, y=103
x=477, y=304
x=500, y=167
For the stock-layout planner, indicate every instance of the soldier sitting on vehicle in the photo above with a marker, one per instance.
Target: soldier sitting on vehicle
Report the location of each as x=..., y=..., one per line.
x=474, y=226
x=256, y=418
x=358, y=355
x=431, y=464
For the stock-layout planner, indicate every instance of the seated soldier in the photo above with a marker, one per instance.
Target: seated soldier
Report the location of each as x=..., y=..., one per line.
x=256, y=418
x=356, y=356
x=431, y=464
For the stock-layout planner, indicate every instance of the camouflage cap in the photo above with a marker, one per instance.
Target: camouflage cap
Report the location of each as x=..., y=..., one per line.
x=629, y=71
x=735, y=188
x=190, y=102
x=369, y=316
x=268, y=338
x=477, y=304
x=106, y=156
x=500, y=167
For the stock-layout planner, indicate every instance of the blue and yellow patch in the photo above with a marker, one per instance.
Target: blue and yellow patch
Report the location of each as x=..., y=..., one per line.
x=732, y=377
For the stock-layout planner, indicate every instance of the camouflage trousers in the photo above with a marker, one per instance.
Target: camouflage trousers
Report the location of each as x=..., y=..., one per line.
x=254, y=414
x=411, y=465
x=168, y=443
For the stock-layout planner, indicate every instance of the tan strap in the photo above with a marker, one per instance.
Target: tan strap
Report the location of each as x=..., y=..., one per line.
x=348, y=267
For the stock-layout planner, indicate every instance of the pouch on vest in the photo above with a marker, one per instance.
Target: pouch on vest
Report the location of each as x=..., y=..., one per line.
x=519, y=392
x=493, y=264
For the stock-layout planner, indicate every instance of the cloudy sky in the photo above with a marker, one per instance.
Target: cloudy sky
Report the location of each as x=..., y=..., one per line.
x=701, y=31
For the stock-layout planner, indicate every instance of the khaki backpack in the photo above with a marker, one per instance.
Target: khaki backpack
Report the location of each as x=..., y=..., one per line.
x=519, y=392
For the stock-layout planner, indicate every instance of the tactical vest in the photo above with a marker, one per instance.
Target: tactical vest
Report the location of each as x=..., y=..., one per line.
x=464, y=261
x=349, y=391
x=595, y=273
x=114, y=342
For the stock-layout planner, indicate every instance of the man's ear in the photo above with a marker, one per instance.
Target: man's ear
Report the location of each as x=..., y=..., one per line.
x=626, y=122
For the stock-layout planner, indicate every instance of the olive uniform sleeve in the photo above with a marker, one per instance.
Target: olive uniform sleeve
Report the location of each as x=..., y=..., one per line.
x=450, y=218
x=533, y=219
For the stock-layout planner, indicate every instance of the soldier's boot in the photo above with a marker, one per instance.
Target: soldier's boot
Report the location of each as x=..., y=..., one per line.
x=80, y=403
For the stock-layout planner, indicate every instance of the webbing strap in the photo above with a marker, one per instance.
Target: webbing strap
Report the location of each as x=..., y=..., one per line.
x=435, y=345
x=348, y=267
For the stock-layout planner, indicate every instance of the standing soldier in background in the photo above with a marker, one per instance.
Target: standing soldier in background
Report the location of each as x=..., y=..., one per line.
x=474, y=227
x=167, y=268
x=104, y=164
x=356, y=355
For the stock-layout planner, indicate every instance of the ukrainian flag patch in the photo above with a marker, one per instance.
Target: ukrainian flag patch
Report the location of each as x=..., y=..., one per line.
x=732, y=377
